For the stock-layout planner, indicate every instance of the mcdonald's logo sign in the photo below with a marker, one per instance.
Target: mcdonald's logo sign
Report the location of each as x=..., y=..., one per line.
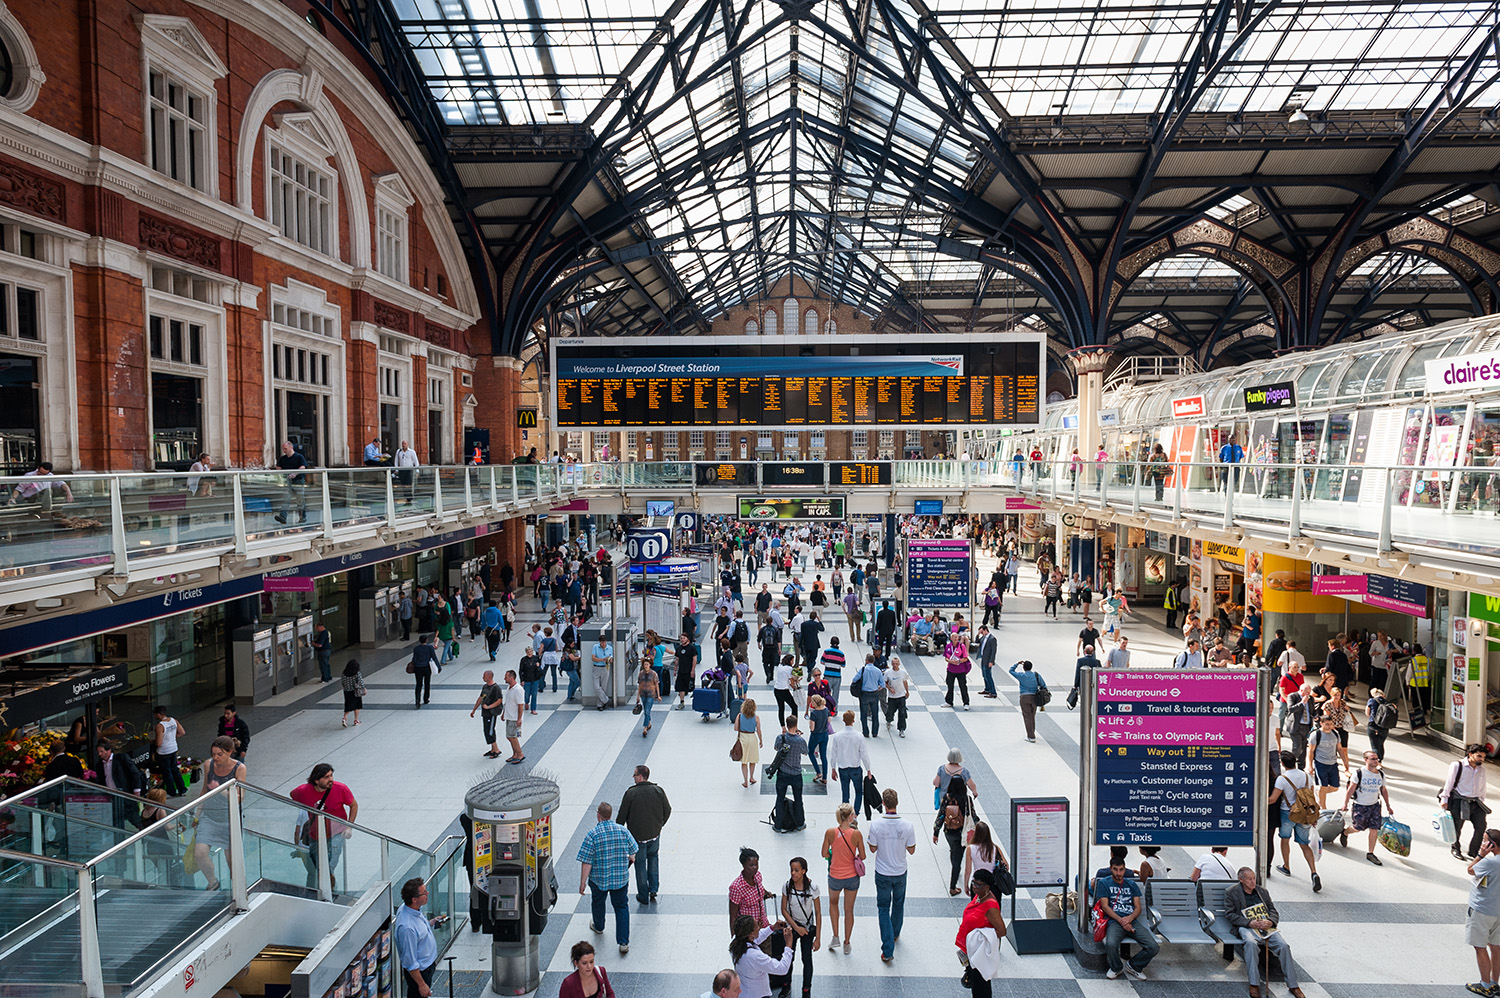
x=525, y=419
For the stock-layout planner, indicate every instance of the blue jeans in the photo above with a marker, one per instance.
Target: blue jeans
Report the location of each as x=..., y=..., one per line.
x=647, y=873
x=533, y=687
x=869, y=714
x=619, y=897
x=325, y=666
x=890, y=902
x=817, y=748
x=646, y=704
x=989, y=679
x=546, y=595
x=573, y=682
x=552, y=668
x=1146, y=944
x=856, y=776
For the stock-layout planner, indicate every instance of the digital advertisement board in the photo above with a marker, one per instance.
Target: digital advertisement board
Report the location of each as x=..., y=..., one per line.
x=791, y=507
x=843, y=381
x=1175, y=757
x=724, y=474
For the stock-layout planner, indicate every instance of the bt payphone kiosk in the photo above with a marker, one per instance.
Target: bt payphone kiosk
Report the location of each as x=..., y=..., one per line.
x=513, y=875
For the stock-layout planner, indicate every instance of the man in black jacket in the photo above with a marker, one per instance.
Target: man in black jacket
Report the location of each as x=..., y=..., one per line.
x=119, y=772
x=988, y=646
x=1253, y=914
x=885, y=627
x=231, y=725
x=644, y=810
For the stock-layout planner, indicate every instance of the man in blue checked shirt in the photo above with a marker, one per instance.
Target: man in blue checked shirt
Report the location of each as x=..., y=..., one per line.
x=606, y=854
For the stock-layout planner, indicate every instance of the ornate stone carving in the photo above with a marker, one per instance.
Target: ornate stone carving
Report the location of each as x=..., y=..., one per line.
x=438, y=335
x=1203, y=231
x=34, y=193
x=1486, y=258
x=174, y=240
x=390, y=316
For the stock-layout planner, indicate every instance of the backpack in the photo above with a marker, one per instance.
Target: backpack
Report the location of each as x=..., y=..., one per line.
x=953, y=817
x=1386, y=715
x=741, y=632
x=1304, y=809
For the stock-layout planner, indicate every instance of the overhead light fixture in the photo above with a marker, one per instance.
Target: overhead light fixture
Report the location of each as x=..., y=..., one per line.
x=972, y=156
x=619, y=163
x=1298, y=117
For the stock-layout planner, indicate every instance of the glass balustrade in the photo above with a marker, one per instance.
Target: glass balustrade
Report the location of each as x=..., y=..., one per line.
x=448, y=891
x=40, y=950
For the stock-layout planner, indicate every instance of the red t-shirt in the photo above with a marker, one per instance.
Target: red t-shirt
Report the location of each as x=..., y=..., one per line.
x=1290, y=684
x=976, y=916
x=339, y=799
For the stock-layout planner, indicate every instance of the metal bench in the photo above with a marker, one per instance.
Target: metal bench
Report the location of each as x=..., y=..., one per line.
x=1211, y=914
x=1173, y=908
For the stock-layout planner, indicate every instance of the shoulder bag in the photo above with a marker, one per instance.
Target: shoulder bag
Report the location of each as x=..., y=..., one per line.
x=859, y=864
x=737, y=749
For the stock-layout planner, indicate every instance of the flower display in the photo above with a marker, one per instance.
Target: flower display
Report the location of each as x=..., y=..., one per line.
x=23, y=760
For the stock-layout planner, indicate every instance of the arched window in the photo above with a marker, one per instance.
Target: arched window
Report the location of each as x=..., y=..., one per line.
x=790, y=310
x=752, y=328
x=810, y=323
x=832, y=326
x=770, y=322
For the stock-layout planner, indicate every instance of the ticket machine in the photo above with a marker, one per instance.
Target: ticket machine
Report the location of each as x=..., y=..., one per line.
x=511, y=817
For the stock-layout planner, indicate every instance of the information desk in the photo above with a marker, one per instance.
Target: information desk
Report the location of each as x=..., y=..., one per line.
x=719, y=381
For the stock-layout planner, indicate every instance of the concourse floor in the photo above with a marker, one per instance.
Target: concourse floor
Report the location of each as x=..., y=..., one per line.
x=1392, y=930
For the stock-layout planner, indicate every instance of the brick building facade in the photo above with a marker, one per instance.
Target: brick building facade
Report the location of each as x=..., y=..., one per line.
x=215, y=234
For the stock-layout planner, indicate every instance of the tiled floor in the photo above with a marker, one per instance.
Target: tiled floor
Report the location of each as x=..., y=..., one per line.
x=1397, y=929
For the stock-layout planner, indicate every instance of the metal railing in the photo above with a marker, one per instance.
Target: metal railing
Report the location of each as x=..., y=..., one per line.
x=135, y=524
x=237, y=839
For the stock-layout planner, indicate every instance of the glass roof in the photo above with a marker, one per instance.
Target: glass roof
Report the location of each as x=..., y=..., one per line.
x=830, y=142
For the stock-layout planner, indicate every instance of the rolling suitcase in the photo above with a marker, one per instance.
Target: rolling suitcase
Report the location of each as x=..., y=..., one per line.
x=708, y=700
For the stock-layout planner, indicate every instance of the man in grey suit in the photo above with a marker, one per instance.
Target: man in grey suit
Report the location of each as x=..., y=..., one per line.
x=988, y=645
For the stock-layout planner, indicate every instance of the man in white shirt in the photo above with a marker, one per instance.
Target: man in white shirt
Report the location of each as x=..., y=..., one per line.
x=1289, y=656
x=1463, y=797
x=781, y=687
x=406, y=461
x=1215, y=865
x=511, y=708
x=897, y=688
x=848, y=757
x=797, y=621
x=1119, y=656
x=889, y=834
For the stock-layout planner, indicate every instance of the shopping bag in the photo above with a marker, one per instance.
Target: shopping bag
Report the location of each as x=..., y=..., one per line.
x=1396, y=837
x=190, y=857
x=1442, y=823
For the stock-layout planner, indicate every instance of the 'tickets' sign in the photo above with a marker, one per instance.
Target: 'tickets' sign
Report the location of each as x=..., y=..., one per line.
x=1184, y=408
x=1281, y=395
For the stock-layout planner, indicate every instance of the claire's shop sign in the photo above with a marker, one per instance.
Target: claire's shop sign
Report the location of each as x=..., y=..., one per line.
x=1472, y=370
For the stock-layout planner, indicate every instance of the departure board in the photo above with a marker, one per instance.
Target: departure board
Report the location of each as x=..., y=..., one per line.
x=769, y=382
x=859, y=473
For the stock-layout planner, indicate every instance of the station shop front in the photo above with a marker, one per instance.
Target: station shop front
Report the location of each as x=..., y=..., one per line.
x=177, y=647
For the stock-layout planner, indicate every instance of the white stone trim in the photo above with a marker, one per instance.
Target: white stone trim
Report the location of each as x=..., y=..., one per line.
x=291, y=85
x=174, y=45
x=27, y=67
x=280, y=27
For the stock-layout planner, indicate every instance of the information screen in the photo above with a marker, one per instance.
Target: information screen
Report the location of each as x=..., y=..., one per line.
x=753, y=381
x=724, y=474
x=859, y=473
x=804, y=473
x=938, y=572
